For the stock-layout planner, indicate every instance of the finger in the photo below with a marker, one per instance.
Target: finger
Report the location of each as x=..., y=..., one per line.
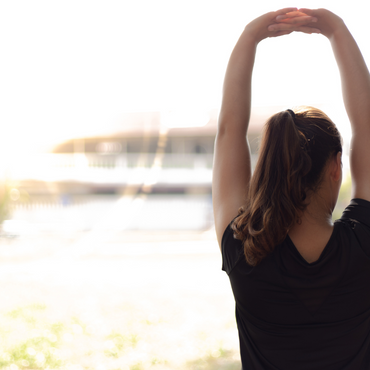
x=277, y=27
x=290, y=15
x=310, y=12
x=277, y=34
x=301, y=13
x=285, y=10
x=308, y=30
x=282, y=33
x=295, y=20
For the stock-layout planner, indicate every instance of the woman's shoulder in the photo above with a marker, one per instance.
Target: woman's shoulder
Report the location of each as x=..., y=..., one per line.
x=357, y=211
x=356, y=223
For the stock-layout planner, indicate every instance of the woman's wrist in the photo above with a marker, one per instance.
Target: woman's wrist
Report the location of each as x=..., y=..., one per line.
x=339, y=31
x=250, y=36
x=256, y=34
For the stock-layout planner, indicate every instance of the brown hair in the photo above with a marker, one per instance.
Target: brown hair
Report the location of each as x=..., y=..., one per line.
x=293, y=153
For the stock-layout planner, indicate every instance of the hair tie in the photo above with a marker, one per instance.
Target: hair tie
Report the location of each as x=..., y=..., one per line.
x=292, y=114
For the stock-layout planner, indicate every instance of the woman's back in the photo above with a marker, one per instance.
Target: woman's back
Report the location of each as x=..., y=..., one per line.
x=303, y=306
x=292, y=314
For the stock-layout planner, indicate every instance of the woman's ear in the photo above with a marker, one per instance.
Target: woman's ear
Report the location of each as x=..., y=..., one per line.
x=337, y=166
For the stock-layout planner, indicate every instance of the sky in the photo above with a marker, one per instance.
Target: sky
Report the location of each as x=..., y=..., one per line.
x=73, y=68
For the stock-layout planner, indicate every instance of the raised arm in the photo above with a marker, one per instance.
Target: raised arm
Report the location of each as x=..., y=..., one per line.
x=232, y=167
x=355, y=79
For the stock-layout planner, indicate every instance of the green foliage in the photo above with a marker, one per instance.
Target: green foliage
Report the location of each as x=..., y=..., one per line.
x=220, y=359
x=8, y=195
x=76, y=322
x=25, y=313
x=158, y=361
x=34, y=353
x=57, y=328
x=37, y=306
x=30, y=342
x=121, y=343
x=5, y=200
x=37, y=351
x=137, y=366
x=39, y=341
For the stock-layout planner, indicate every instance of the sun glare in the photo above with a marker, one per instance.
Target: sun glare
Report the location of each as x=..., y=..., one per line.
x=184, y=118
x=60, y=82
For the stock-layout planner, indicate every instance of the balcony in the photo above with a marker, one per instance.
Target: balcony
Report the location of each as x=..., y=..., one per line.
x=131, y=169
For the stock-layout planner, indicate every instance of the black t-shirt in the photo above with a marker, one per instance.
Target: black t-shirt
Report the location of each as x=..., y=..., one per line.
x=295, y=315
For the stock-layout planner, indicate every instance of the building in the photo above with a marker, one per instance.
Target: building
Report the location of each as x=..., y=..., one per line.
x=145, y=156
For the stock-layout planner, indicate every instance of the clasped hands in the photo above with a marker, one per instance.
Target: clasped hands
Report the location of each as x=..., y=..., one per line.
x=288, y=20
x=295, y=20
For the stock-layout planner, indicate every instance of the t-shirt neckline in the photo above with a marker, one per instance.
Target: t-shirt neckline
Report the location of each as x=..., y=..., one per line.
x=323, y=253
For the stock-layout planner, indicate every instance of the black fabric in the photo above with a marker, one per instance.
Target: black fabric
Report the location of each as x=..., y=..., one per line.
x=295, y=315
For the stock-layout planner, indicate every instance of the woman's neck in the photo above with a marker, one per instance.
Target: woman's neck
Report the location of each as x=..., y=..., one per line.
x=313, y=230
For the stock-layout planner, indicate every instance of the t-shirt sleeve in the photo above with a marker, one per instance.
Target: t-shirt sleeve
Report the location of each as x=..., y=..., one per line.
x=232, y=250
x=358, y=210
x=357, y=215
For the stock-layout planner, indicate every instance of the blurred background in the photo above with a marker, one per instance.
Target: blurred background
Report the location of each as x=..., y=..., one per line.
x=108, y=256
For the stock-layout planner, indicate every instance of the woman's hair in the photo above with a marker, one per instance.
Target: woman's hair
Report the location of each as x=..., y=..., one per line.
x=294, y=151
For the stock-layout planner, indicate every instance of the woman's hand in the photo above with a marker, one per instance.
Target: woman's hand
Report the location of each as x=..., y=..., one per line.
x=327, y=22
x=281, y=22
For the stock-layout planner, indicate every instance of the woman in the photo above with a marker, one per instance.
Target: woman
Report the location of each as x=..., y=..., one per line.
x=300, y=282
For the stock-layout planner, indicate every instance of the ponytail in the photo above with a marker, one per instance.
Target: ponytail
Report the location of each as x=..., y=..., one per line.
x=294, y=150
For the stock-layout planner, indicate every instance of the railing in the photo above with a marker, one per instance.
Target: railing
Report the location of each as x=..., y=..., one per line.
x=132, y=168
x=124, y=168
x=129, y=160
